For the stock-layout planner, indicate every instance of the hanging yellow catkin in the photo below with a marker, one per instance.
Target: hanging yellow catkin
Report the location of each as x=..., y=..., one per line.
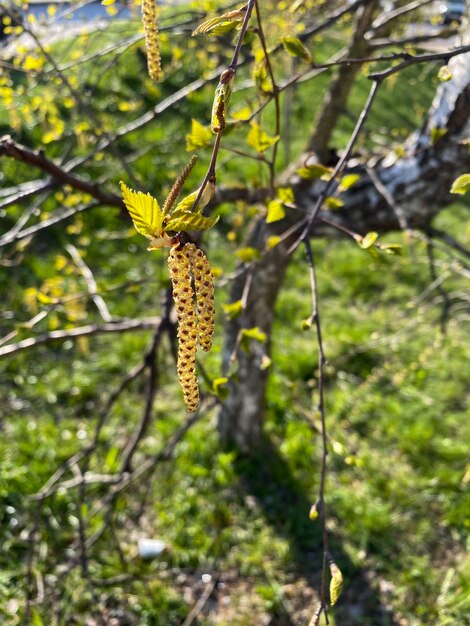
x=183, y=296
x=204, y=287
x=152, y=38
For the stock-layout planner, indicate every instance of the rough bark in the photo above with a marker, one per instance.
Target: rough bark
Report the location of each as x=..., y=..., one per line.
x=334, y=104
x=241, y=417
x=419, y=184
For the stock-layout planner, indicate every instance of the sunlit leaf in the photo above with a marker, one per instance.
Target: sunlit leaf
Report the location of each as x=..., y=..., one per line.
x=144, y=211
x=348, y=181
x=233, y=309
x=275, y=211
x=259, y=139
x=248, y=254
x=316, y=170
x=367, y=241
x=461, y=185
x=222, y=23
x=272, y=241
x=333, y=203
x=186, y=220
x=444, y=74
x=251, y=334
x=296, y=48
x=199, y=137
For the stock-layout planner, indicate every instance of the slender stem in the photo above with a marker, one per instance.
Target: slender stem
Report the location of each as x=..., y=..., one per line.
x=315, y=317
x=339, y=166
x=210, y=174
x=277, y=108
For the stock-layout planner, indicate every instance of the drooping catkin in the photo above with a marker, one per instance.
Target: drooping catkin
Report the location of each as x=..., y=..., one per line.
x=204, y=287
x=152, y=38
x=183, y=296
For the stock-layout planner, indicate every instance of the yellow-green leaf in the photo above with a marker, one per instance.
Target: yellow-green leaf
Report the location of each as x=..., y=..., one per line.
x=272, y=242
x=259, y=139
x=296, y=48
x=186, y=220
x=144, y=210
x=444, y=74
x=243, y=114
x=333, y=203
x=336, y=583
x=316, y=170
x=348, y=181
x=233, y=309
x=285, y=194
x=186, y=203
x=222, y=23
x=248, y=254
x=199, y=137
x=251, y=334
x=461, y=185
x=367, y=241
x=275, y=211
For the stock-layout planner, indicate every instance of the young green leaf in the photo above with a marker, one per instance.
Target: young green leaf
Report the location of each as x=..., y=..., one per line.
x=251, y=334
x=247, y=255
x=348, y=181
x=367, y=241
x=275, y=211
x=199, y=137
x=233, y=309
x=316, y=170
x=444, y=74
x=333, y=203
x=461, y=185
x=187, y=202
x=186, y=220
x=144, y=211
x=296, y=48
x=272, y=242
x=222, y=23
x=259, y=139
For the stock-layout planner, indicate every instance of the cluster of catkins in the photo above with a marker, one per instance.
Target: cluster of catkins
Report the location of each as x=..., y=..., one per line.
x=193, y=293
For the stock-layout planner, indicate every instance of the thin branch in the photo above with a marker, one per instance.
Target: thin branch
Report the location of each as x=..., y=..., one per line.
x=320, y=504
x=80, y=331
x=339, y=166
x=91, y=283
x=9, y=147
x=411, y=59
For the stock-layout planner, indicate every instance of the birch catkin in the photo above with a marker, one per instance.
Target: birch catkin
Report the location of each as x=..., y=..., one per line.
x=204, y=287
x=152, y=38
x=183, y=296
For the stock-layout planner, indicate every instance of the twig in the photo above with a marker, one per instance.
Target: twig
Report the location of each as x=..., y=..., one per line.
x=339, y=166
x=231, y=70
x=275, y=96
x=80, y=331
x=37, y=158
x=91, y=283
x=200, y=604
x=315, y=318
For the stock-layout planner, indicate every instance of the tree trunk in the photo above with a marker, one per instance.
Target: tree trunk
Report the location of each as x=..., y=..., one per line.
x=334, y=104
x=241, y=417
x=418, y=185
